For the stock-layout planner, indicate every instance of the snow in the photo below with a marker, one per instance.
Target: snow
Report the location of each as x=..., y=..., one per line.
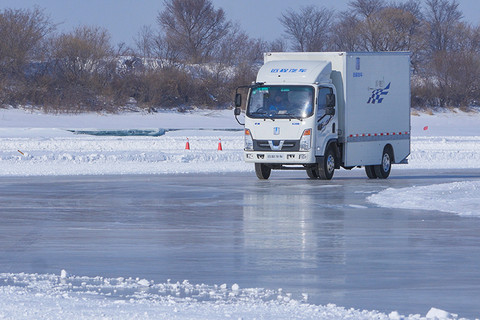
x=435, y=313
x=460, y=197
x=37, y=144
x=17, y=118
x=48, y=296
x=34, y=144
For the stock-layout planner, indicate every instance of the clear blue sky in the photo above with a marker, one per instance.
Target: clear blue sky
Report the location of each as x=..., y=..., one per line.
x=124, y=18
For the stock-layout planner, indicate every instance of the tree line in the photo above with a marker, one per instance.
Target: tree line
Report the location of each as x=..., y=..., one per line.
x=192, y=55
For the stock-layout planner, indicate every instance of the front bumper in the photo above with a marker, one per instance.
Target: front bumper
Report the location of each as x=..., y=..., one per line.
x=279, y=157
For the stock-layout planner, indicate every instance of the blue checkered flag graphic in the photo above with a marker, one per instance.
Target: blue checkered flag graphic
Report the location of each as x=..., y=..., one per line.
x=378, y=95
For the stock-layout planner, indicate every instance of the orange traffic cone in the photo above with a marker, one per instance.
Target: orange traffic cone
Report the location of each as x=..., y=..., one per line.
x=220, y=145
x=187, y=146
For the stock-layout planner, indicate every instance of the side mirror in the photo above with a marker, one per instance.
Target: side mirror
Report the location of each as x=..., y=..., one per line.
x=330, y=100
x=238, y=100
x=330, y=111
x=237, y=111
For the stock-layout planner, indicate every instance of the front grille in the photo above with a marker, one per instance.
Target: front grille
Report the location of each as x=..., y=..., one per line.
x=264, y=145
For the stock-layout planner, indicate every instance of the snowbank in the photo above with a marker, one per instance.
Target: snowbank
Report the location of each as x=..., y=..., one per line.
x=82, y=155
x=444, y=152
x=34, y=296
x=460, y=197
x=42, y=153
x=38, y=144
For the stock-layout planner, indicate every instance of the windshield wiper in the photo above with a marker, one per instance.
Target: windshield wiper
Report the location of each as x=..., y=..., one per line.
x=292, y=116
x=268, y=115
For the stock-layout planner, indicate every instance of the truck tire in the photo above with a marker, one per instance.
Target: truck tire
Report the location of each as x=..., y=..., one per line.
x=262, y=171
x=326, y=168
x=382, y=171
x=370, y=171
x=312, y=172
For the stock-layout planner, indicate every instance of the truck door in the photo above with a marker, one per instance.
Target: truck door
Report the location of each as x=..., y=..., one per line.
x=325, y=123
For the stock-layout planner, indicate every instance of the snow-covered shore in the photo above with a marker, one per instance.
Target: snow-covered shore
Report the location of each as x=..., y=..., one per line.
x=39, y=144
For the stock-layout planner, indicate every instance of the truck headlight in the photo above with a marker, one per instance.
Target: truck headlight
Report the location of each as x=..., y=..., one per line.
x=248, y=140
x=306, y=140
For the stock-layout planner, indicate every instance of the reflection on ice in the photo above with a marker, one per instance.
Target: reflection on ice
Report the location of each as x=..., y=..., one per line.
x=297, y=232
x=301, y=225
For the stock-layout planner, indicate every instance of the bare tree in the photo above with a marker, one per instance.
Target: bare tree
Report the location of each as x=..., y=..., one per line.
x=455, y=77
x=454, y=73
x=309, y=29
x=453, y=65
x=193, y=27
x=375, y=25
x=152, y=47
x=145, y=41
x=442, y=16
x=391, y=29
x=21, y=34
x=80, y=54
x=365, y=8
x=84, y=65
x=465, y=38
x=345, y=34
x=412, y=6
x=277, y=45
x=237, y=47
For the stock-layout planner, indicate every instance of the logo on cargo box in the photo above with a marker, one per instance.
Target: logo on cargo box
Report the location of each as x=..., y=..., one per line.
x=378, y=95
x=276, y=131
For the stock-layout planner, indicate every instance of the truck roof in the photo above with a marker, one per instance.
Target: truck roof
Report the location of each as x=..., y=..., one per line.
x=270, y=56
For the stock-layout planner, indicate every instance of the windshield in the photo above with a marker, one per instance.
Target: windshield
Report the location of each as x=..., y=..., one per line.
x=281, y=102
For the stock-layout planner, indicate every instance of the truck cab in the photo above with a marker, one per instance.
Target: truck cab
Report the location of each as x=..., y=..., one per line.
x=287, y=126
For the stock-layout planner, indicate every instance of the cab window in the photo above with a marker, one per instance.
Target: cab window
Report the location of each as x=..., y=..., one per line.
x=322, y=99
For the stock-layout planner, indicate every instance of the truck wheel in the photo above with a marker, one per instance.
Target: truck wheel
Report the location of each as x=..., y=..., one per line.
x=327, y=167
x=312, y=172
x=370, y=171
x=382, y=171
x=262, y=171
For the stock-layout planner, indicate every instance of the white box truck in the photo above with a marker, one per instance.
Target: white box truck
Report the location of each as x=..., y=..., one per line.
x=320, y=111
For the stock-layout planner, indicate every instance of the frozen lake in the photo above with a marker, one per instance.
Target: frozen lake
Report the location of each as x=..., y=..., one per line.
x=307, y=237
